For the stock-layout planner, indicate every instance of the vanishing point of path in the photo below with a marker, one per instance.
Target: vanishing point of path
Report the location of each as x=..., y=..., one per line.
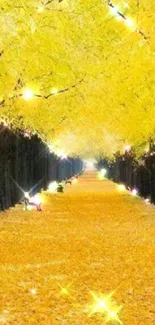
x=89, y=241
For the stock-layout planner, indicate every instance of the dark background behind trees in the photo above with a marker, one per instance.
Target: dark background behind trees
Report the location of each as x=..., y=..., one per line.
x=27, y=164
x=126, y=169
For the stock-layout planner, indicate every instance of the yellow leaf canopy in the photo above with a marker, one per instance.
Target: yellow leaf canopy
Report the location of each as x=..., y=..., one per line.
x=88, y=70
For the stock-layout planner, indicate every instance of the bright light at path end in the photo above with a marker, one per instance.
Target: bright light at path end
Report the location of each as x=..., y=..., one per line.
x=90, y=164
x=28, y=94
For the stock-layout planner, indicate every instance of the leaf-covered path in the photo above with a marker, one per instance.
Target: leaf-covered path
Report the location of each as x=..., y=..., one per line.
x=90, y=239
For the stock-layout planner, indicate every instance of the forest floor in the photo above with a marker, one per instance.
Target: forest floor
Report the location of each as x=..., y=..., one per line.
x=57, y=266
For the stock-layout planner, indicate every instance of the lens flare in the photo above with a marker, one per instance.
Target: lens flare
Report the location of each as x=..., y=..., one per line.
x=112, y=315
x=105, y=305
x=65, y=291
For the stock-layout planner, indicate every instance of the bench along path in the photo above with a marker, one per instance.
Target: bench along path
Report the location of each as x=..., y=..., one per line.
x=89, y=241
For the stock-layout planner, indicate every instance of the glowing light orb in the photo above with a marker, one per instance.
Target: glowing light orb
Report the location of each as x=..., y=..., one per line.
x=103, y=172
x=53, y=186
x=114, y=10
x=130, y=23
x=33, y=291
x=121, y=187
x=127, y=148
x=27, y=134
x=54, y=91
x=134, y=192
x=50, y=147
x=40, y=9
x=36, y=199
x=119, y=17
x=26, y=195
x=61, y=154
x=74, y=181
x=147, y=201
x=28, y=94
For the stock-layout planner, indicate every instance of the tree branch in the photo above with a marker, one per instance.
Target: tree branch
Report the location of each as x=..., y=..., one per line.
x=19, y=85
x=1, y=53
x=120, y=14
x=60, y=91
x=2, y=102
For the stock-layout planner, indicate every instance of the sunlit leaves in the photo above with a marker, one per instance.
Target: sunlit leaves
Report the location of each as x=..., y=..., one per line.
x=63, y=42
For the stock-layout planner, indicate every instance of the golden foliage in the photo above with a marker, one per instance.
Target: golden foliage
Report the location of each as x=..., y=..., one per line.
x=48, y=45
x=90, y=239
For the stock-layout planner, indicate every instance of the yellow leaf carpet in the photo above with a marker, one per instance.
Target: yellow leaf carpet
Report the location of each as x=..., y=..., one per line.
x=89, y=242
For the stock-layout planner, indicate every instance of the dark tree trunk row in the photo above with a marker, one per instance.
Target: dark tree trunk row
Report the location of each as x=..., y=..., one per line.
x=133, y=174
x=26, y=164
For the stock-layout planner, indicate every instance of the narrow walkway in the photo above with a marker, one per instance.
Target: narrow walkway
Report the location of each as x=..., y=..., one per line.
x=90, y=239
